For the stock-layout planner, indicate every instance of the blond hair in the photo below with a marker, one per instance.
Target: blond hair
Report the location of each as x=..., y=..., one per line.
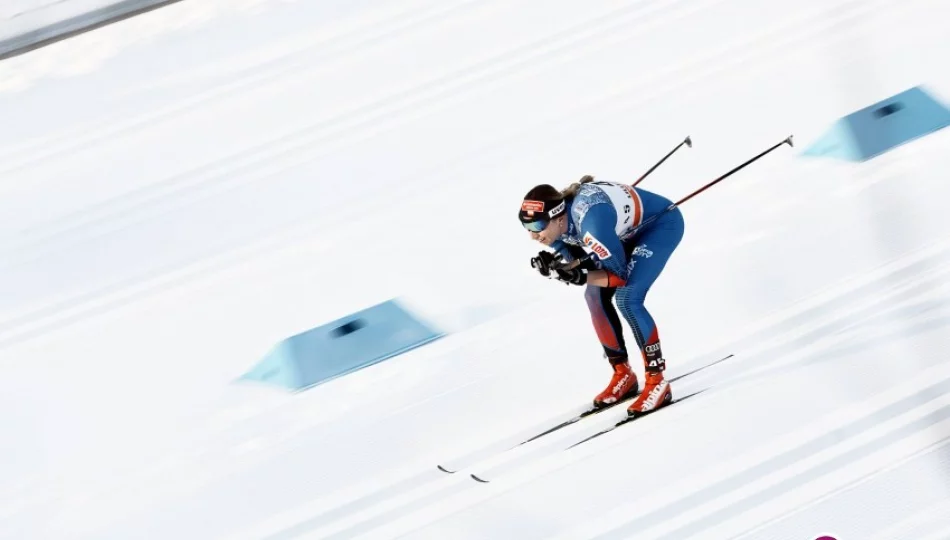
x=572, y=189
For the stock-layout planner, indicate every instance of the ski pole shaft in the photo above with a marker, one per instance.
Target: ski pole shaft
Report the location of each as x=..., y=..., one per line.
x=687, y=141
x=787, y=141
x=656, y=216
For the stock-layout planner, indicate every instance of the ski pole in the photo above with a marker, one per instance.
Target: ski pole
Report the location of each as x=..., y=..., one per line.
x=788, y=141
x=686, y=141
x=727, y=175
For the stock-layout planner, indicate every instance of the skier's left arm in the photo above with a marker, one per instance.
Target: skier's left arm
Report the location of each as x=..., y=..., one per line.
x=598, y=233
x=561, y=249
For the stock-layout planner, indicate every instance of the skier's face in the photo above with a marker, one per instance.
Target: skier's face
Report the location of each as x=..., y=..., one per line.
x=550, y=233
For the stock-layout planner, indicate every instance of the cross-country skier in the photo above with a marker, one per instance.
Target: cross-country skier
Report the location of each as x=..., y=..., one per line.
x=599, y=217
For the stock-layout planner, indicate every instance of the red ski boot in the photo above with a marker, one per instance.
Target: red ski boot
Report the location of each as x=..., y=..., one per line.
x=656, y=390
x=656, y=394
x=622, y=384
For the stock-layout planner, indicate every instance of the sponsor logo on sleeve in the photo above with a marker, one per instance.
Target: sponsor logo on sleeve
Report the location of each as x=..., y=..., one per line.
x=599, y=249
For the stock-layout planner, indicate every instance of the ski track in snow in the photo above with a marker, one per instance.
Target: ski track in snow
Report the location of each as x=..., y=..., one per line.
x=169, y=211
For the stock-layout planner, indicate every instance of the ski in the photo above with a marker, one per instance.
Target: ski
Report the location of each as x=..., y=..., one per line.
x=625, y=420
x=589, y=412
x=592, y=411
x=629, y=419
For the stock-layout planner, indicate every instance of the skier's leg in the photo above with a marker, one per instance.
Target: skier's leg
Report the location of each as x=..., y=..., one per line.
x=609, y=331
x=648, y=259
x=606, y=322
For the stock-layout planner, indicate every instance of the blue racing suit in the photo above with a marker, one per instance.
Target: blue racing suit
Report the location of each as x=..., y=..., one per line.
x=602, y=216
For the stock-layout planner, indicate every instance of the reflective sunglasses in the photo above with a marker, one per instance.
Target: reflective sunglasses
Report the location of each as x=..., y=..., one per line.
x=537, y=225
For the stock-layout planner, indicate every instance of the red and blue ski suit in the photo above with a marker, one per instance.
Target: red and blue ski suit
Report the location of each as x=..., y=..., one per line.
x=602, y=218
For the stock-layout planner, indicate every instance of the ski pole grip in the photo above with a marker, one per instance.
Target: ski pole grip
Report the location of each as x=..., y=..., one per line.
x=575, y=263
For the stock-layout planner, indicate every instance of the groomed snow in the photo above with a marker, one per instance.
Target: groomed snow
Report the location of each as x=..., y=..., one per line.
x=175, y=208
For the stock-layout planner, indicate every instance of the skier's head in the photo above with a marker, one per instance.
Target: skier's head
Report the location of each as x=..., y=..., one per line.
x=543, y=210
x=543, y=213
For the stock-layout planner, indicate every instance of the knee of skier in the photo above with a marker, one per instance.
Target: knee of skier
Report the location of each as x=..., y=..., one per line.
x=632, y=296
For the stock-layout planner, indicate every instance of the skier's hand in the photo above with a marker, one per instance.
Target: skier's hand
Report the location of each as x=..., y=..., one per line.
x=574, y=276
x=545, y=262
x=589, y=262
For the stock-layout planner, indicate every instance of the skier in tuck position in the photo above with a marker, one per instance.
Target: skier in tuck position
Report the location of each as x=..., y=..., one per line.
x=600, y=217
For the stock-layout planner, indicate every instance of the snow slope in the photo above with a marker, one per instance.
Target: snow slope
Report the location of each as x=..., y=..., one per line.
x=172, y=210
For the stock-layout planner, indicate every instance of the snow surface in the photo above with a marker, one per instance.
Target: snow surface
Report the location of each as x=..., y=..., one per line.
x=181, y=202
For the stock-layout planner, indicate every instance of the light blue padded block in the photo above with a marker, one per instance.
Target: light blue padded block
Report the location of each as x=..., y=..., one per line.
x=343, y=346
x=887, y=124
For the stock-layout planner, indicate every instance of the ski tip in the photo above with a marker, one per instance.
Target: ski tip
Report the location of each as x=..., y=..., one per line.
x=477, y=479
x=443, y=469
x=789, y=141
x=688, y=141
